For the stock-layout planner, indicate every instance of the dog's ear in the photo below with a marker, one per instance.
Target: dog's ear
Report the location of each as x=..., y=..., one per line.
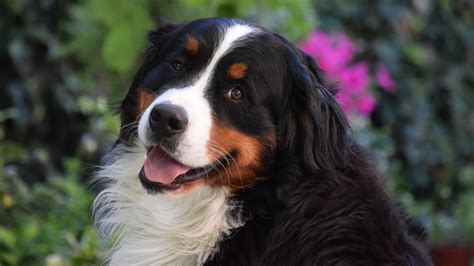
x=316, y=128
x=158, y=39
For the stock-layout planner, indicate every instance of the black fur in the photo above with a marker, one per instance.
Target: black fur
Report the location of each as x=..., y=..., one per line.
x=322, y=202
x=325, y=218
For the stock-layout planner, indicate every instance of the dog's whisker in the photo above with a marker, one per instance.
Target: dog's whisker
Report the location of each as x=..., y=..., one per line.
x=207, y=173
x=129, y=124
x=233, y=160
x=126, y=129
x=223, y=155
x=213, y=149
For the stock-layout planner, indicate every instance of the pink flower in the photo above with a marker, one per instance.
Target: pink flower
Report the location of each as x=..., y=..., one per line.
x=331, y=52
x=354, y=95
x=355, y=78
x=384, y=79
x=314, y=43
x=345, y=49
x=366, y=104
x=334, y=54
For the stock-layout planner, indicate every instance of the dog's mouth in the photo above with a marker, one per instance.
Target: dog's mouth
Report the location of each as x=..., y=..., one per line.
x=161, y=172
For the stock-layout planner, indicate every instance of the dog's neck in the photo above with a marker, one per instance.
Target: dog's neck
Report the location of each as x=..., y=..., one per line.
x=159, y=229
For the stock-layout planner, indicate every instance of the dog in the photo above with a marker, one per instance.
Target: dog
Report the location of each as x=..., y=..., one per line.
x=234, y=151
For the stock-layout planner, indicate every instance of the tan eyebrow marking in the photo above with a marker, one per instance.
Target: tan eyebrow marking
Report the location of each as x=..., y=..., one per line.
x=192, y=45
x=145, y=98
x=237, y=71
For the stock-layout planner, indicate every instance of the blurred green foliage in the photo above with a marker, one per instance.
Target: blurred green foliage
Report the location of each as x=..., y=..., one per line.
x=109, y=34
x=67, y=64
x=47, y=220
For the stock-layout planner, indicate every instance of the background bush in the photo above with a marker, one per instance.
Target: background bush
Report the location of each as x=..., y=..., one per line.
x=67, y=64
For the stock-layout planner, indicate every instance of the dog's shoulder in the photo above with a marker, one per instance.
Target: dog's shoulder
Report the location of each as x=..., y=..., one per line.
x=328, y=218
x=340, y=220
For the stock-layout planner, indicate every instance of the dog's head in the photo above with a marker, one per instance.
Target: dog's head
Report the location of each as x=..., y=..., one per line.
x=216, y=102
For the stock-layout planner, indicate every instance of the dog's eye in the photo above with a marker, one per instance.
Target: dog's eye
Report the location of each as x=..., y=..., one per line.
x=177, y=65
x=235, y=93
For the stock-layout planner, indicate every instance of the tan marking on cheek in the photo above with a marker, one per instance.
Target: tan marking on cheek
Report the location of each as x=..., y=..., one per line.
x=243, y=170
x=237, y=71
x=145, y=98
x=192, y=45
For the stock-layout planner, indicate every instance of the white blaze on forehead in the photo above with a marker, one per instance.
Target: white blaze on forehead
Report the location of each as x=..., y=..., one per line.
x=231, y=35
x=192, y=147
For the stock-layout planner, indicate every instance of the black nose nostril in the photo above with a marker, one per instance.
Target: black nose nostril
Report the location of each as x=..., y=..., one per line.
x=155, y=116
x=167, y=120
x=176, y=124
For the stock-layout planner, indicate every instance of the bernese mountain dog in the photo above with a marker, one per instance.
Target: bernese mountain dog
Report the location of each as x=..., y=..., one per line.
x=234, y=151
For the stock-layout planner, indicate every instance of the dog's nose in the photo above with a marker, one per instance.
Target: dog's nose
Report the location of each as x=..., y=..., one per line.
x=167, y=120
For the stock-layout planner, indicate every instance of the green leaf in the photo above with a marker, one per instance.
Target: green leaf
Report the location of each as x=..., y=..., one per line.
x=110, y=12
x=7, y=237
x=126, y=40
x=415, y=53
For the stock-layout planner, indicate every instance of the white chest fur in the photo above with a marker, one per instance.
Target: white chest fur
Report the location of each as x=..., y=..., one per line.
x=158, y=229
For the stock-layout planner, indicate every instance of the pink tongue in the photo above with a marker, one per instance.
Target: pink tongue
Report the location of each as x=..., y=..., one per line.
x=159, y=167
